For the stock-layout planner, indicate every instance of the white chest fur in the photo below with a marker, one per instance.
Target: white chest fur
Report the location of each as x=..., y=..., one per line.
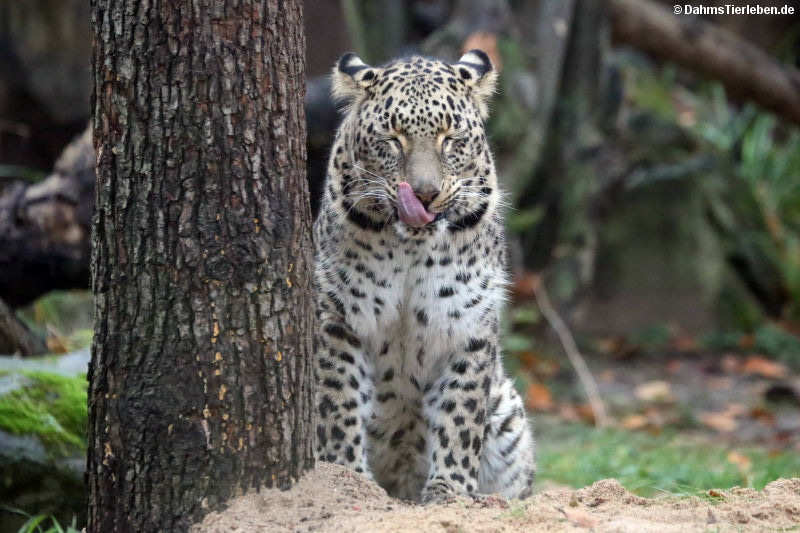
x=422, y=297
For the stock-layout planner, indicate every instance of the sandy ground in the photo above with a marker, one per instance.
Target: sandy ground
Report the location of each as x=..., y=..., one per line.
x=334, y=499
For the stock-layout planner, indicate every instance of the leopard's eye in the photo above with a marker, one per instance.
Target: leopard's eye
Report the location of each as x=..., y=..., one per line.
x=452, y=143
x=394, y=143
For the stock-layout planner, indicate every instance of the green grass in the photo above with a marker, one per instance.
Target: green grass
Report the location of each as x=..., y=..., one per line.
x=579, y=455
x=52, y=407
x=41, y=523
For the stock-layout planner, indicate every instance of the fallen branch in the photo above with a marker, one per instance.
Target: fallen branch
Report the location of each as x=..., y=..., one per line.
x=571, y=348
x=15, y=337
x=45, y=228
x=744, y=69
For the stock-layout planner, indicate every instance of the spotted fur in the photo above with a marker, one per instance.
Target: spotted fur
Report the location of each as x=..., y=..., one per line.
x=411, y=388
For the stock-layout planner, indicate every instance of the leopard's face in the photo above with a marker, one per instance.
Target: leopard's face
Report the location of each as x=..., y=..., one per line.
x=418, y=121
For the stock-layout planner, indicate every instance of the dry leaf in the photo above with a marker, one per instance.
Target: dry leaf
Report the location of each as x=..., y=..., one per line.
x=763, y=415
x=56, y=343
x=608, y=376
x=568, y=412
x=618, y=347
x=654, y=391
x=756, y=364
x=524, y=286
x=674, y=366
x=684, y=343
x=656, y=419
x=746, y=342
x=539, y=366
x=735, y=409
x=539, y=398
x=742, y=461
x=586, y=413
x=528, y=359
x=546, y=368
x=730, y=363
x=719, y=383
x=634, y=422
x=723, y=422
x=579, y=517
x=607, y=345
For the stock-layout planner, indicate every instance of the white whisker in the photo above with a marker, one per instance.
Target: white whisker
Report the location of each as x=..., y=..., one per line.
x=370, y=172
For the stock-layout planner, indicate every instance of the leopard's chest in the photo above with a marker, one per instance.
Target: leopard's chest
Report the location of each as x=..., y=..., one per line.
x=419, y=299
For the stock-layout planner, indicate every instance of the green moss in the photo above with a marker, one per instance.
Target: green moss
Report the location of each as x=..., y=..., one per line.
x=51, y=407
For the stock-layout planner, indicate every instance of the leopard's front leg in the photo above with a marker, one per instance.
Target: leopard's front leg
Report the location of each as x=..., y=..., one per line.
x=455, y=408
x=344, y=392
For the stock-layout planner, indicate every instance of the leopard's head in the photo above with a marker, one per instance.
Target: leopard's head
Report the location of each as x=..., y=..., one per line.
x=414, y=139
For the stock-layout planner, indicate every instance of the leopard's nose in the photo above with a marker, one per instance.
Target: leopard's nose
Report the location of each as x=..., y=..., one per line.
x=427, y=195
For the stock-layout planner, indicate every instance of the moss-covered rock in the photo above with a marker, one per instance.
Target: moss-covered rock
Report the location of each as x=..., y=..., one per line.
x=50, y=407
x=43, y=416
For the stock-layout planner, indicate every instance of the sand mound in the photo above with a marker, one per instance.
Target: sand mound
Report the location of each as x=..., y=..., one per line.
x=334, y=499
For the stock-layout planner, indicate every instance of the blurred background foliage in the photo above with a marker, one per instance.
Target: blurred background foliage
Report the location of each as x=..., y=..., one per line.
x=657, y=200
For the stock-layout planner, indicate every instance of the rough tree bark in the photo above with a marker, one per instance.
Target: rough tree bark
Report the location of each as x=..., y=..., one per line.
x=200, y=380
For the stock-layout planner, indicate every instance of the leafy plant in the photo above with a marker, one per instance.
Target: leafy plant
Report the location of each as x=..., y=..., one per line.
x=747, y=165
x=42, y=523
x=775, y=341
x=754, y=200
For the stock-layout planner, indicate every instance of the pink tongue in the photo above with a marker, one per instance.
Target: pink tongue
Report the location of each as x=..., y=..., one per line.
x=409, y=207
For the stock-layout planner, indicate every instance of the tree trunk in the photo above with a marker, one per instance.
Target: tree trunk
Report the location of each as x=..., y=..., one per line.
x=200, y=381
x=546, y=23
x=565, y=179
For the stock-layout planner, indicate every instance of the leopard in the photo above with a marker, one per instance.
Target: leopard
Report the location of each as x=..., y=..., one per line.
x=410, y=277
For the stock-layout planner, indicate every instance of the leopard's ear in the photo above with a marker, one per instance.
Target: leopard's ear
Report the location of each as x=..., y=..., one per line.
x=476, y=69
x=351, y=78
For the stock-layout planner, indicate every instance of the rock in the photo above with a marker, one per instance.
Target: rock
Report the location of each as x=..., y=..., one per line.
x=11, y=382
x=70, y=364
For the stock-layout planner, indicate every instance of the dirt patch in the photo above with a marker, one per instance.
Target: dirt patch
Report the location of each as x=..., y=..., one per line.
x=334, y=499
